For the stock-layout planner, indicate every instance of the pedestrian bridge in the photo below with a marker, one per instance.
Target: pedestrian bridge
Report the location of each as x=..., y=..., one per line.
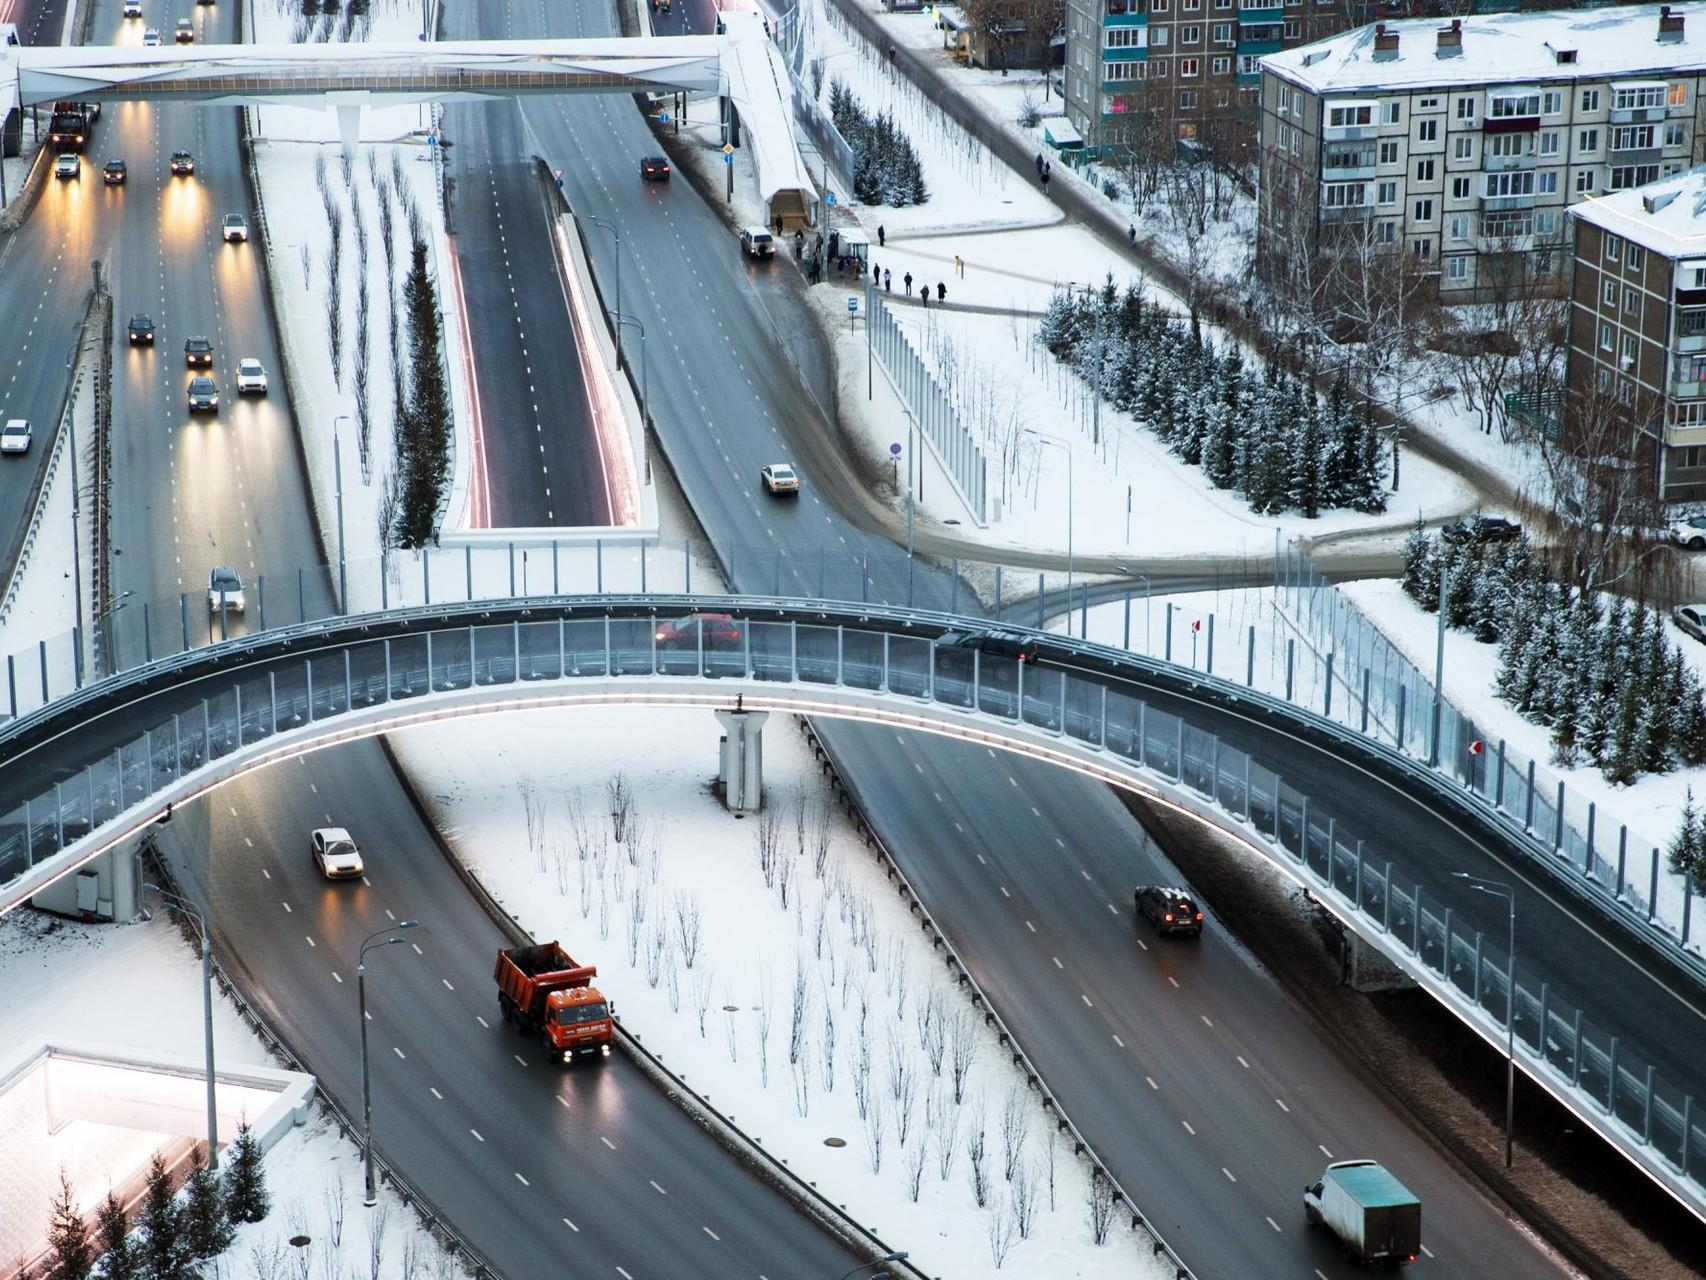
x=96, y=766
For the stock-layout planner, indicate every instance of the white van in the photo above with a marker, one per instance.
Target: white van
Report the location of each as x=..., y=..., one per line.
x=757, y=242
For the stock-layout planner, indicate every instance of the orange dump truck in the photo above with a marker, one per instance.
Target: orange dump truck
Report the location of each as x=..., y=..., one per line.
x=543, y=992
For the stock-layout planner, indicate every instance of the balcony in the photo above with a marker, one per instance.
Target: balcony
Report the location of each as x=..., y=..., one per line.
x=1505, y=204
x=1348, y=213
x=1498, y=164
x=1684, y=389
x=1260, y=17
x=1639, y=115
x=1690, y=343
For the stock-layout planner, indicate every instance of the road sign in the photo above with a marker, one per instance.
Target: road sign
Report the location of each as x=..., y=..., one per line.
x=663, y=117
x=852, y=306
x=829, y=197
x=728, y=159
x=894, y=449
x=432, y=139
x=728, y=150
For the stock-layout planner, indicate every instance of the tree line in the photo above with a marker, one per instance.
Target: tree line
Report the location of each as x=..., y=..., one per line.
x=1265, y=434
x=886, y=169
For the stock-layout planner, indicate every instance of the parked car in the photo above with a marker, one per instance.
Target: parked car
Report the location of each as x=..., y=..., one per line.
x=15, y=436
x=779, y=477
x=141, y=331
x=1691, y=619
x=198, y=352
x=150, y=39
x=1690, y=532
x=757, y=242
x=204, y=395
x=1482, y=529
x=251, y=377
x=1169, y=910
x=996, y=644
x=67, y=166
x=334, y=852
x=719, y=630
x=236, y=228
x=183, y=163
x=113, y=173
x=225, y=586
x=184, y=32
x=133, y=8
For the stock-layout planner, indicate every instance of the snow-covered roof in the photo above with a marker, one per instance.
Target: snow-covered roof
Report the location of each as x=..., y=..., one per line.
x=1502, y=48
x=1667, y=217
x=758, y=83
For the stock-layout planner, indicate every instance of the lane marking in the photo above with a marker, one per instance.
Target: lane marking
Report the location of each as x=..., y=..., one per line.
x=607, y=1142
x=1274, y=1225
x=435, y=1093
x=657, y=1188
x=476, y=1134
x=1188, y=1128
x=523, y=1181
x=1280, y=1103
x=571, y=1226
x=398, y=1052
x=1229, y=1175
x=712, y=1234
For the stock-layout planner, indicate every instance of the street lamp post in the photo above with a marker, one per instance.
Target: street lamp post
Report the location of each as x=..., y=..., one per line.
x=373, y=940
x=176, y=902
x=1046, y=438
x=645, y=396
x=1499, y=889
x=616, y=234
x=103, y=632
x=897, y=1256
x=338, y=486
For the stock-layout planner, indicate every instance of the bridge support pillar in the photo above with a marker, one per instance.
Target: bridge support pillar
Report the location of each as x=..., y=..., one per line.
x=741, y=759
x=1366, y=968
x=104, y=888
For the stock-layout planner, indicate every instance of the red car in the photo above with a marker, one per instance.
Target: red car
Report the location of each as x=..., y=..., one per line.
x=719, y=630
x=655, y=169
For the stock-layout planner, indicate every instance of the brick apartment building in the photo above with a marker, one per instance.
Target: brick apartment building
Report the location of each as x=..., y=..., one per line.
x=1637, y=337
x=1464, y=142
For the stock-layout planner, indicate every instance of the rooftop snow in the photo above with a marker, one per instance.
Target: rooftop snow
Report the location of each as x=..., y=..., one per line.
x=1675, y=226
x=1505, y=48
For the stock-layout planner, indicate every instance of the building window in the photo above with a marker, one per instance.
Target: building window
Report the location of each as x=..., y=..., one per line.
x=1549, y=143
x=1160, y=67
x=1457, y=269
x=1510, y=106
x=1460, y=226
x=1122, y=71
x=1389, y=152
x=1629, y=302
x=1461, y=188
x=1427, y=104
x=1587, y=141
x=1547, y=183
x=1422, y=249
x=1158, y=37
x=1391, y=112
x=1611, y=294
x=1222, y=66
x=1385, y=232
x=1584, y=181
x=1247, y=64
x=1427, y=131
x=1190, y=35
x=1462, y=147
x=1424, y=171
x=1678, y=94
x=1292, y=28
x=1632, y=137
x=1159, y=6
x=1505, y=146
x=1422, y=211
x=1188, y=99
x=1223, y=33
x=1675, y=132
x=1189, y=6
x=1632, y=175
x=1672, y=168
x=1127, y=38
x=1386, y=193
x=1632, y=260
x=1590, y=99
x=1638, y=97
x=1466, y=108
x=1189, y=66
x=1553, y=101
x=1605, y=341
x=1344, y=195
x=1629, y=350
x=1613, y=249
x=1499, y=186
x=1544, y=222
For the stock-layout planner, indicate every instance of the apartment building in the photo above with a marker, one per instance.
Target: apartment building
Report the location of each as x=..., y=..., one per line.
x=1638, y=325
x=1463, y=142
x=1187, y=68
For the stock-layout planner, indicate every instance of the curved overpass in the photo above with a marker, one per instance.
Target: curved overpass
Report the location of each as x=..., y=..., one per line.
x=103, y=763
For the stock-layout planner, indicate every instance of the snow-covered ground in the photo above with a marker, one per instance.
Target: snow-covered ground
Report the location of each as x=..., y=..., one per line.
x=149, y=981
x=708, y=959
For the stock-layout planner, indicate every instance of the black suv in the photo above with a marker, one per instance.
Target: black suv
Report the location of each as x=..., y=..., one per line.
x=997, y=644
x=1482, y=529
x=198, y=351
x=1169, y=910
x=141, y=331
x=182, y=162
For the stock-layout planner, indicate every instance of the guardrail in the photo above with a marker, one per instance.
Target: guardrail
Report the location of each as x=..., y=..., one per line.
x=253, y=700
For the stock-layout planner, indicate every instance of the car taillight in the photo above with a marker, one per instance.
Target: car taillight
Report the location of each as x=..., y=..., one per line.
x=1168, y=918
x=1199, y=917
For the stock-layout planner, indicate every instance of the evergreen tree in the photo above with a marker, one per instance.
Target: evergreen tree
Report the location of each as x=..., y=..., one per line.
x=1688, y=845
x=1418, y=552
x=68, y=1235
x=246, y=1198
x=121, y=1258
x=1621, y=759
x=165, y=1251
x=207, y=1229
x=1461, y=567
x=1309, y=464
x=423, y=455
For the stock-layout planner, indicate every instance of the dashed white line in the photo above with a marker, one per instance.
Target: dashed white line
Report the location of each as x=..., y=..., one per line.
x=398, y=1052
x=1030, y=926
x=571, y=1226
x=310, y=940
x=476, y=1134
x=1150, y=1081
x=482, y=1022
x=1173, y=980
x=1119, y=1042
x=1188, y=1128
x=523, y=1181
x=1229, y=1175
x=1004, y=892
x=435, y=1093
x=1323, y=1150
x=1205, y=1020
x=1241, y=1061
x=657, y=1188
x=337, y=977
x=519, y=1058
x=1086, y=1000
x=607, y=1142
x=712, y=1234
x=447, y=986
x=286, y=907
x=1280, y=1103
x=1275, y=1226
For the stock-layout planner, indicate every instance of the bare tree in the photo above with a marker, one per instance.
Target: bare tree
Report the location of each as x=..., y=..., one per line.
x=1049, y=1145
x=658, y=946
x=862, y=1074
x=977, y=1153
x=337, y=1204
x=1022, y=1194
x=875, y=1132
x=820, y=925
x=730, y=1031
x=827, y=1044
x=916, y=1158
x=999, y=1226
x=637, y=904
x=377, y=1223
x=962, y=1049
x=767, y=844
x=786, y=863
x=688, y=926
x=1103, y=1201
x=932, y=1030
x=904, y=1103
x=619, y=804
x=702, y=997
x=818, y=837
x=1015, y=1130
x=799, y=1012
x=947, y=1134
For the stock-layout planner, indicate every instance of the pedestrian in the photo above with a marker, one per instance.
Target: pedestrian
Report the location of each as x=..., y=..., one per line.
x=1131, y=233
x=888, y=281
x=1045, y=182
x=908, y=280
x=1039, y=164
x=800, y=244
x=959, y=266
x=874, y=273
x=882, y=236
x=941, y=292
x=924, y=293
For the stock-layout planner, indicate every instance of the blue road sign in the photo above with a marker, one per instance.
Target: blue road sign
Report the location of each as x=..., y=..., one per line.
x=894, y=449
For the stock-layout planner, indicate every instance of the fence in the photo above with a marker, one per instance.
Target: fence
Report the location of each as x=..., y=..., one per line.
x=1383, y=693
x=937, y=420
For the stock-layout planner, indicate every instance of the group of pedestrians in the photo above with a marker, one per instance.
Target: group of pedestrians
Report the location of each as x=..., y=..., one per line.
x=1045, y=167
x=885, y=277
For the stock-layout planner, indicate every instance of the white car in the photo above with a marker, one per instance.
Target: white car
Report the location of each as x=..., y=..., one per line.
x=225, y=587
x=334, y=852
x=779, y=477
x=184, y=32
x=151, y=39
x=133, y=8
x=15, y=436
x=67, y=166
x=1690, y=532
x=236, y=228
x=251, y=377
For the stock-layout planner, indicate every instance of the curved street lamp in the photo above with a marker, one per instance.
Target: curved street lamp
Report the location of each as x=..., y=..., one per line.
x=899, y=1256
x=372, y=942
x=1499, y=889
x=177, y=902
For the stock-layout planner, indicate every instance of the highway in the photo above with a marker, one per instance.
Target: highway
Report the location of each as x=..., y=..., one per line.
x=219, y=493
